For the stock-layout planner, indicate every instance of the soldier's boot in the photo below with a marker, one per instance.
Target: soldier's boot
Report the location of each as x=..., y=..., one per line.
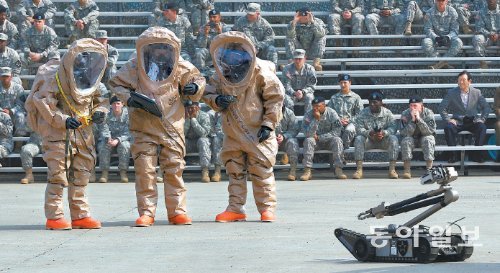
x=123, y=176
x=217, y=176
x=466, y=29
x=92, y=176
x=407, y=29
x=339, y=173
x=307, y=175
x=392, y=170
x=284, y=159
x=428, y=164
x=317, y=65
x=483, y=65
x=292, y=173
x=407, y=170
x=358, y=174
x=104, y=177
x=205, y=178
x=29, y=177
x=439, y=65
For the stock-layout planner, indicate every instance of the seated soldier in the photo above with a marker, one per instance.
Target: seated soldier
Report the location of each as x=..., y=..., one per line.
x=217, y=136
x=347, y=12
x=10, y=58
x=418, y=127
x=199, y=10
x=9, y=28
x=11, y=103
x=412, y=11
x=80, y=20
x=286, y=135
x=28, y=151
x=321, y=127
x=487, y=30
x=197, y=127
x=6, y=142
x=115, y=135
x=39, y=43
x=383, y=12
x=299, y=80
x=376, y=129
x=102, y=37
x=464, y=10
x=28, y=8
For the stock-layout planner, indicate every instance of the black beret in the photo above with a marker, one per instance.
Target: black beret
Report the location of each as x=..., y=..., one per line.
x=189, y=103
x=39, y=16
x=376, y=96
x=171, y=5
x=317, y=100
x=114, y=99
x=344, y=77
x=213, y=12
x=415, y=99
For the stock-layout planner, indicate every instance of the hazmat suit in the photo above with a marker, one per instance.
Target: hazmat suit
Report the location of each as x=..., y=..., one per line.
x=161, y=75
x=63, y=103
x=247, y=92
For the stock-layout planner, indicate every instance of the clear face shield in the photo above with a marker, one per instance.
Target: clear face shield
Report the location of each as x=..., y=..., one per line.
x=234, y=62
x=87, y=68
x=159, y=61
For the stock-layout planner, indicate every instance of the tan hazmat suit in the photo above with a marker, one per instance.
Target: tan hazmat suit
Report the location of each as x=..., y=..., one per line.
x=154, y=136
x=259, y=98
x=70, y=154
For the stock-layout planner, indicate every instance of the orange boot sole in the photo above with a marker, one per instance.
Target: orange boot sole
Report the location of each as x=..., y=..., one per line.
x=267, y=216
x=57, y=224
x=180, y=219
x=144, y=221
x=86, y=223
x=228, y=216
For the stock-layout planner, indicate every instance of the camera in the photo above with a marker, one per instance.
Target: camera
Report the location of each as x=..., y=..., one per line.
x=212, y=24
x=303, y=13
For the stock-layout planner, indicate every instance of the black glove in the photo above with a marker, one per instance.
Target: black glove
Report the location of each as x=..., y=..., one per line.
x=190, y=89
x=264, y=133
x=72, y=123
x=443, y=40
x=132, y=103
x=98, y=117
x=223, y=101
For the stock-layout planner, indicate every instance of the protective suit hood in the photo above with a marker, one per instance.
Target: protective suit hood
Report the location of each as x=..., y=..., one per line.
x=222, y=44
x=81, y=69
x=158, y=53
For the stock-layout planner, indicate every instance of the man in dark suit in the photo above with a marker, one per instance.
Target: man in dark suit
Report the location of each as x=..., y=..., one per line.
x=469, y=111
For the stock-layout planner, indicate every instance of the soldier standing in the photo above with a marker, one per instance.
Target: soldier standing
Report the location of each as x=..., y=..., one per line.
x=28, y=151
x=11, y=103
x=9, y=28
x=10, y=58
x=286, y=135
x=375, y=128
x=299, y=80
x=80, y=20
x=418, y=127
x=487, y=30
x=28, y=8
x=39, y=42
x=102, y=37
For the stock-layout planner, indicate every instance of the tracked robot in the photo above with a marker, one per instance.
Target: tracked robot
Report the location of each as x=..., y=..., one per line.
x=409, y=242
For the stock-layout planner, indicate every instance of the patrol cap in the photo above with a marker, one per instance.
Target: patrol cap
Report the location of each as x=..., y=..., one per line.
x=376, y=96
x=213, y=12
x=101, y=34
x=171, y=5
x=415, y=99
x=39, y=16
x=4, y=37
x=253, y=8
x=317, y=100
x=299, y=53
x=190, y=103
x=5, y=71
x=344, y=77
x=114, y=99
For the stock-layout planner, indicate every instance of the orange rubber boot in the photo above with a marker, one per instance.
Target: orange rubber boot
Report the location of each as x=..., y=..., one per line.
x=228, y=216
x=267, y=216
x=144, y=221
x=57, y=224
x=180, y=219
x=86, y=223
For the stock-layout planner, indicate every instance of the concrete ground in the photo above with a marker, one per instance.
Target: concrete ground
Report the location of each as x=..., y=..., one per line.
x=301, y=240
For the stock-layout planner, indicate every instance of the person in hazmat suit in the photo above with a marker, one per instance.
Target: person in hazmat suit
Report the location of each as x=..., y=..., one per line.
x=62, y=105
x=154, y=85
x=246, y=90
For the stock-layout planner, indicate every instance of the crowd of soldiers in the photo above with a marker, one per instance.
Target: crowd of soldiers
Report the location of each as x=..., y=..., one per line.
x=33, y=41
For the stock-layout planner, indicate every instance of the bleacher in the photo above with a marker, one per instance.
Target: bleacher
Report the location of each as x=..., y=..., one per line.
x=396, y=70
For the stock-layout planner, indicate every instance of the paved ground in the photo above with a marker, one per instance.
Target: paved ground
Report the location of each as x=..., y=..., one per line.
x=301, y=240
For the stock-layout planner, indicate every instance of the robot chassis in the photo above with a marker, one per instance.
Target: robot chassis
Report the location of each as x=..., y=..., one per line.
x=405, y=243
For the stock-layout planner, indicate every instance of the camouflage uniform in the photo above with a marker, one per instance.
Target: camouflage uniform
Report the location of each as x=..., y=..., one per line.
x=158, y=10
x=30, y=150
x=183, y=30
x=366, y=122
x=44, y=42
x=216, y=135
x=202, y=55
x=10, y=58
x=463, y=8
x=336, y=21
x=10, y=99
x=487, y=22
x=289, y=129
x=262, y=36
x=197, y=131
x=116, y=128
x=6, y=142
x=111, y=64
x=413, y=11
x=347, y=106
x=310, y=37
x=27, y=8
x=374, y=19
x=11, y=30
x=421, y=132
x=199, y=12
x=328, y=130
x=88, y=13
x=441, y=24
x=304, y=80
